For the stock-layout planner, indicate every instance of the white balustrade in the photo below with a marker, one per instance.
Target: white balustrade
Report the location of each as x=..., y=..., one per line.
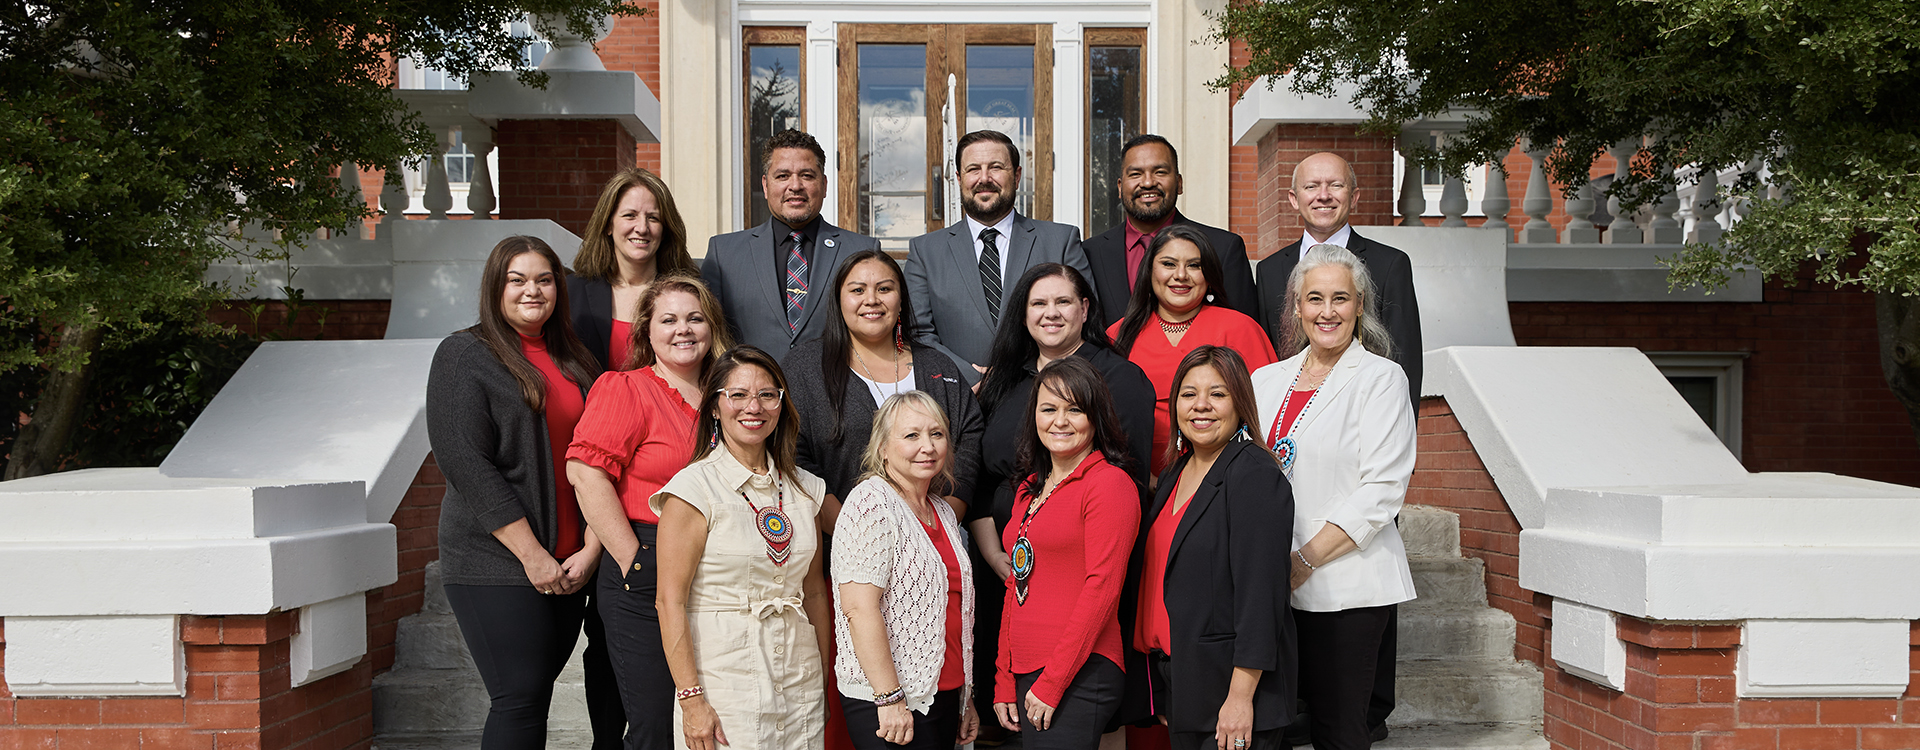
x=1539, y=200
x=394, y=200
x=1413, y=198
x=1580, y=229
x=480, y=184
x=1453, y=201
x=1706, y=208
x=1663, y=229
x=1622, y=230
x=1494, y=201
x=439, y=195
x=350, y=187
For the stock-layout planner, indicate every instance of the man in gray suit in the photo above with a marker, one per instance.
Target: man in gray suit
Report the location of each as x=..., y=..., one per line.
x=770, y=278
x=959, y=276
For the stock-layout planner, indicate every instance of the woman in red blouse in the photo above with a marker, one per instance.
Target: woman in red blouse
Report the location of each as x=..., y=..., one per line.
x=1059, y=677
x=1181, y=293
x=636, y=434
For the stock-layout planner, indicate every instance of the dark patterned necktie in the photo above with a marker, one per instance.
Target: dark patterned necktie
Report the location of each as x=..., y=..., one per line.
x=990, y=273
x=796, y=283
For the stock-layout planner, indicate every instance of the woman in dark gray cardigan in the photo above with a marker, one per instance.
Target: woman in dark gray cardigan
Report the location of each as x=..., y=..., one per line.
x=866, y=354
x=502, y=399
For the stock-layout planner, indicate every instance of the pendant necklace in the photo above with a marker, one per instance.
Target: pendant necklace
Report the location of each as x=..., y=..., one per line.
x=876, y=382
x=773, y=524
x=1022, y=558
x=1285, y=447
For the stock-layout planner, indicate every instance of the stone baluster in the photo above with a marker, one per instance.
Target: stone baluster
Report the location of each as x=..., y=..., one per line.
x=1622, y=230
x=350, y=187
x=1580, y=229
x=394, y=199
x=439, y=195
x=1706, y=208
x=1494, y=202
x=480, y=188
x=1453, y=201
x=1413, y=198
x=1662, y=229
x=1539, y=200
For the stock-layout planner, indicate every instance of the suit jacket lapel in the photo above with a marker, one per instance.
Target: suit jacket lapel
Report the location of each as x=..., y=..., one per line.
x=1203, y=497
x=967, y=269
x=1019, y=253
x=1336, y=382
x=826, y=262
x=769, y=271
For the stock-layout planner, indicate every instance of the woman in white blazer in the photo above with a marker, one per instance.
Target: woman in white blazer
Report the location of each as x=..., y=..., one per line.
x=1338, y=416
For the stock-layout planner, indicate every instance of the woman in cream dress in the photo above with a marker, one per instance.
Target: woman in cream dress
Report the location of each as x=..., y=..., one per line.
x=744, y=614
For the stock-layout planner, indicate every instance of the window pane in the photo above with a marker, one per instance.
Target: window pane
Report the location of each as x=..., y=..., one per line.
x=773, y=105
x=1000, y=97
x=459, y=159
x=1113, y=116
x=1700, y=393
x=892, y=187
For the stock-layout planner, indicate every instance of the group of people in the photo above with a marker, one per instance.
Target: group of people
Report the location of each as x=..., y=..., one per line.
x=1037, y=485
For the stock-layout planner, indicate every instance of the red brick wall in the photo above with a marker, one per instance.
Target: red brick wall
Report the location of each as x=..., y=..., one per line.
x=553, y=169
x=327, y=320
x=1274, y=223
x=417, y=522
x=634, y=45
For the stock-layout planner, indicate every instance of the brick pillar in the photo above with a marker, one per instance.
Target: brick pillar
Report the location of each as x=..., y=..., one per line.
x=1278, y=225
x=553, y=169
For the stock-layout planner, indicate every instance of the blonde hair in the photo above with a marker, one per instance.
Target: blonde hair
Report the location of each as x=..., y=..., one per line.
x=1370, y=331
x=874, y=460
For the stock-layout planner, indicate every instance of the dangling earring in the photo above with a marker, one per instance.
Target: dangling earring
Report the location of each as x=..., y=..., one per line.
x=713, y=438
x=1179, y=444
x=899, y=336
x=1243, y=435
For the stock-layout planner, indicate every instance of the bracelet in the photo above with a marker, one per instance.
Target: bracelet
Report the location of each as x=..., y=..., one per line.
x=890, y=697
x=1303, y=560
x=681, y=695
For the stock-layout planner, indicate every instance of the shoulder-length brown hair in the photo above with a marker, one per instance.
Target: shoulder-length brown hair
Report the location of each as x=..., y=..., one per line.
x=596, y=257
x=1077, y=381
x=1233, y=370
x=640, y=337
x=503, y=342
x=783, y=444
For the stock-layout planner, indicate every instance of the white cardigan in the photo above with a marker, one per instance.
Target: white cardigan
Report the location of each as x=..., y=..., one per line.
x=1356, y=450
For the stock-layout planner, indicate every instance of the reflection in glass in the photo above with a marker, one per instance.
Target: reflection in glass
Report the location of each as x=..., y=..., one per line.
x=892, y=186
x=1000, y=97
x=773, y=105
x=1113, y=116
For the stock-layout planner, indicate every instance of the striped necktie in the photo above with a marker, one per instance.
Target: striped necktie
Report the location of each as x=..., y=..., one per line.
x=990, y=273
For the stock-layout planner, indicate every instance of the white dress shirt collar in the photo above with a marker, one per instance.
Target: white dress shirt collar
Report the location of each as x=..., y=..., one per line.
x=1340, y=238
x=1006, y=231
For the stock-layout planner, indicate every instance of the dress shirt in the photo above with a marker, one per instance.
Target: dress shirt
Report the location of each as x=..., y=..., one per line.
x=1137, y=241
x=1339, y=238
x=1001, y=241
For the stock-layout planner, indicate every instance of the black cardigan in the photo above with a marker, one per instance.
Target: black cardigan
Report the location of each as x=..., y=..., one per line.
x=1226, y=593
x=838, y=462
x=496, y=455
x=590, y=306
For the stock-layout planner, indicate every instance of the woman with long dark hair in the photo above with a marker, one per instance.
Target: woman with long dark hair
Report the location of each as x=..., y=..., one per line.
x=634, y=236
x=502, y=400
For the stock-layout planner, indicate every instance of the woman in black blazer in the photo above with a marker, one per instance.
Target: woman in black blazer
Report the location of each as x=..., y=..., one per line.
x=1212, y=618
x=634, y=235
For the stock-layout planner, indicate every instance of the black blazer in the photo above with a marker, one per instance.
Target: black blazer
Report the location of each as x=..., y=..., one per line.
x=590, y=305
x=1226, y=593
x=1399, y=308
x=1107, y=254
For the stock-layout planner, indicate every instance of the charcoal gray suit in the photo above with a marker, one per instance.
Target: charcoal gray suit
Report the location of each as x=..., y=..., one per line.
x=943, y=275
x=747, y=271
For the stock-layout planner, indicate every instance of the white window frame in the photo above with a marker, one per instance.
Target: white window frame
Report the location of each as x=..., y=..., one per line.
x=1726, y=368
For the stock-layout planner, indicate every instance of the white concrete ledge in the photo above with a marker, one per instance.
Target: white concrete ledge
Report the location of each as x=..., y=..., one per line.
x=331, y=638
x=1823, y=659
x=1610, y=273
x=437, y=266
x=85, y=656
x=570, y=95
x=141, y=504
x=1586, y=642
x=1268, y=103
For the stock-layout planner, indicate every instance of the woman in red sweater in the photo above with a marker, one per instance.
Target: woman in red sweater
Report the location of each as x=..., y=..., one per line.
x=1075, y=515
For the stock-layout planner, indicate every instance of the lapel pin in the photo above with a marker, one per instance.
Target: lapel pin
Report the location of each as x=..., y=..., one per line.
x=829, y=241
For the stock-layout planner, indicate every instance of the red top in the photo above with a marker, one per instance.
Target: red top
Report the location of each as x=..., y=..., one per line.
x=1283, y=422
x=1081, y=536
x=953, y=668
x=640, y=432
x=1151, y=627
x=617, y=350
x=1221, y=326
x=1137, y=242
x=564, y=406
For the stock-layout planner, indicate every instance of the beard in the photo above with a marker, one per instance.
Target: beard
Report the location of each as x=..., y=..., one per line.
x=1148, y=216
x=996, y=207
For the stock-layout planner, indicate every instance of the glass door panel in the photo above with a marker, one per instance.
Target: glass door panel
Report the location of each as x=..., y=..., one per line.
x=773, y=87
x=892, y=133
x=1000, y=92
x=1115, y=104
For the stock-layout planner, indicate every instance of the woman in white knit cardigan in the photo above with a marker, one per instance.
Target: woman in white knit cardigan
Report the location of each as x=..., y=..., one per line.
x=904, y=590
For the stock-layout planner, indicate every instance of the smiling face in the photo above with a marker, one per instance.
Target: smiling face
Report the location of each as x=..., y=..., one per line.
x=988, y=181
x=1055, y=315
x=528, y=299
x=916, y=447
x=748, y=407
x=1150, y=185
x=1179, y=283
x=679, y=331
x=1064, y=428
x=1322, y=193
x=870, y=302
x=1329, y=307
x=1204, y=409
x=796, y=186
x=636, y=229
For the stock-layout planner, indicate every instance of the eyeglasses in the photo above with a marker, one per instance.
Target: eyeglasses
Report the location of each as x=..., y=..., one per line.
x=737, y=397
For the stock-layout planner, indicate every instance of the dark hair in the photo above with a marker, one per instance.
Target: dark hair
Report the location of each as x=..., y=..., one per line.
x=782, y=445
x=1076, y=380
x=640, y=337
x=836, y=342
x=1232, y=369
x=1014, y=347
x=596, y=260
x=503, y=342
x=1141, y=307
x=1144, y=139
x=793, y=139
x=977, y=136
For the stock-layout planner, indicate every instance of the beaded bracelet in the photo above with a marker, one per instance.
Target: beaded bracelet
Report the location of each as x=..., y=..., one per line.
x=890, y=697
x=689, y=693
x=1303, y=560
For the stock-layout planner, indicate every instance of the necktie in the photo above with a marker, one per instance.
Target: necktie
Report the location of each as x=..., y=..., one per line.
x=990, y=273
x=796, y=283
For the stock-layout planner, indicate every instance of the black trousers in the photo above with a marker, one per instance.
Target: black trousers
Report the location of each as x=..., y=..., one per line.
x=1085, y=708
x=987, y=608
x=633, y=639
x=937, y=729
x=1386, y=668
x=604, y=713
x=1339, y=654
x=520, y=640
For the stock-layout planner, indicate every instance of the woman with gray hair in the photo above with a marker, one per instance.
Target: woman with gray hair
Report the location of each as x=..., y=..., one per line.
x=904, y=589
x=1338, y=417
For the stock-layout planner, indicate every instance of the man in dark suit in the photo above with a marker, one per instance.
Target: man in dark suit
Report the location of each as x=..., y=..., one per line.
x=770, y=278
x=959, y=276
x=1150, y=187
x=1322, y=192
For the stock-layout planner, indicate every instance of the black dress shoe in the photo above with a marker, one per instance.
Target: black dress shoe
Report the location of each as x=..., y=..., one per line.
x=1378, y=734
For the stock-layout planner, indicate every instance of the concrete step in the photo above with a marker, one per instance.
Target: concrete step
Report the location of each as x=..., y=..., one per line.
x=1456, y=581
x=567, y=740
x=1467, y=691
x=1429, y=531
x=430, y=641
x=1428, y=633
x=421, y=701
x=1461, y=737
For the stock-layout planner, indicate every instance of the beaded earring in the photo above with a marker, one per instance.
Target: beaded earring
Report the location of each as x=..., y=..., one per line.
x=899, y=336
x=1179, y=442
x=1243, y=435
x=713, y=439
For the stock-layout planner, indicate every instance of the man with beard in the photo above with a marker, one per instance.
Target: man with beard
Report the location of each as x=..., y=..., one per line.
x=1150, y=187
x=959, y=276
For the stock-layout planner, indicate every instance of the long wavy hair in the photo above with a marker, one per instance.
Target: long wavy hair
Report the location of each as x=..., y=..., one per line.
x=1013, y=344
x=1141, y=307
x=503, y=342
x=1075, y=380
x=596, y=260
x=640, y=337
x=1233, y=370
x=1369, y=330
x=836, y=342
x=873, y=460
x=782, y=446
